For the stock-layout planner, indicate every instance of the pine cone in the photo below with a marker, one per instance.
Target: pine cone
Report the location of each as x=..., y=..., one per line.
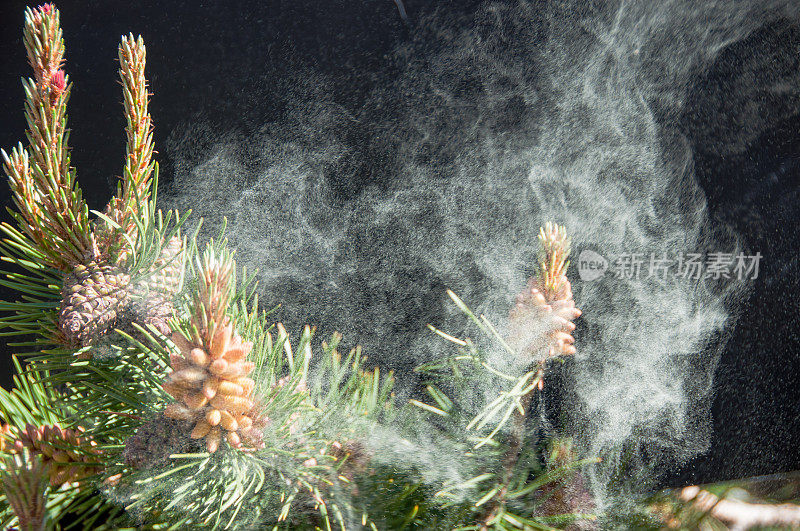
x=93, y=296
x=156, y=440
x=212, y=388
x=65, y=450
x=154, y=294
x=166, y=273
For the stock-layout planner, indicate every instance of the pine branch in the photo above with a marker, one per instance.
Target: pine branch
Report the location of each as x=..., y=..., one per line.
x=54, y=228
x=134, y=190
x=540, y=329
x=30, y=406
x=548, y=300
x=52, y=211
x=197, y=412
x=139, y=131
x=294, y=442
x=24, y=482
x=112, y=382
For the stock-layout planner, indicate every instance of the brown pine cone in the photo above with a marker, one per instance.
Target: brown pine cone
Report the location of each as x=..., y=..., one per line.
x=165, y=276
x=154, y=294
x=93, y=296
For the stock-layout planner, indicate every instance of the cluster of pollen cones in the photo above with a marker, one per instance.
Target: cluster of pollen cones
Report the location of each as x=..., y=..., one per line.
x=213, y=390
x=543, y=324
x=68, y=454
x=541, y=320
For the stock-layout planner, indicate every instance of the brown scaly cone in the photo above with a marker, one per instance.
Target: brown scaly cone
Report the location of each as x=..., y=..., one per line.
x=96, y=295
x=57, y=446
x=154, y=294
x=167, y=271
x=93, y=297
x=541, y=320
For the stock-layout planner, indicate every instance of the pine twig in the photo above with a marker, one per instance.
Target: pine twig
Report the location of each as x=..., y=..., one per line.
x=139, y=147
x=541, y=324
x=134, y=189
x=52, y=211
x=742, y=515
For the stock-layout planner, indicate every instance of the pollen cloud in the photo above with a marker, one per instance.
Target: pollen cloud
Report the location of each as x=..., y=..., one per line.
x=359, y=212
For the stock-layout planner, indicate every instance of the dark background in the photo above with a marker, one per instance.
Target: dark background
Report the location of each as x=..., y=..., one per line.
x=200, y=52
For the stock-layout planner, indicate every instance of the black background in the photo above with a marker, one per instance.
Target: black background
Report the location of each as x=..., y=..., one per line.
x=200, y=52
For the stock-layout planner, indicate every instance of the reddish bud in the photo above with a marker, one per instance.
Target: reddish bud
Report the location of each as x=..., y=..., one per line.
x=57, y=81
x=46, y=9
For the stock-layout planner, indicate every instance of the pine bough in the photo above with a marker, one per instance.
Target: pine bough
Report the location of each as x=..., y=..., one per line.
x=152, y=391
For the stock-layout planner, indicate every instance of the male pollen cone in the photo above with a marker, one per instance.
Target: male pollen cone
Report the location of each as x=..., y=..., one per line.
x=213, y=391
x=66, y=451
x=541, y=320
